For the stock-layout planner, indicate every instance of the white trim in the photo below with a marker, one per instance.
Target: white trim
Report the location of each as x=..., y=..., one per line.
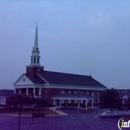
x=18, y=79
x=28, y=86
x=73, y=87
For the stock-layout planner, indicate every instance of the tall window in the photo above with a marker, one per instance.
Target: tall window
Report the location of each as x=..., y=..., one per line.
x=69, y=92
x=62, y=91
x=75, y=101
x=31, y=60
x=34, y=60
x=97, y=97
x=93, y=94
x=87, y=93
x=81, y=101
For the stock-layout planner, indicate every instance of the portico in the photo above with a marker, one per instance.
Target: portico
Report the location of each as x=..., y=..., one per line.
x=36, y=92
x=67, y=98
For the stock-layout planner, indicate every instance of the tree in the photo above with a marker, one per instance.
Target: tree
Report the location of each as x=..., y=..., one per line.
x=14, y=100
x=110, y=99
x=128, y=103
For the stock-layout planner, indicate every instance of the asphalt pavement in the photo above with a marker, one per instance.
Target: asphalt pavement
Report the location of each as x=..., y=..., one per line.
x=75, y=120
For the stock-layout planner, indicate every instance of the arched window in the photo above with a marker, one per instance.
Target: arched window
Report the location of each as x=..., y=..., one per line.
x=75, y=92
x=87, y=93
x=62, y=91
x=69, y=92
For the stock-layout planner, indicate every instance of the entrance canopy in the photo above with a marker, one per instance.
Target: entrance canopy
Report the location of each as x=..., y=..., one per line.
x=75, y=96
x=78, y=96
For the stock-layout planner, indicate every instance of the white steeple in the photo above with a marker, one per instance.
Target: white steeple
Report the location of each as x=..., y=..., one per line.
x=36, y=37
x=35, y=57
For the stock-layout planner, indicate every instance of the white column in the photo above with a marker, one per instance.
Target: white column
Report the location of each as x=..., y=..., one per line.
x=86, y=104
x=60, y=102
x=26, y=91
x=14, y=91
x=19, y=91
x=40, y=92
x=34, y=92
x=66, y=103
x=78, y=104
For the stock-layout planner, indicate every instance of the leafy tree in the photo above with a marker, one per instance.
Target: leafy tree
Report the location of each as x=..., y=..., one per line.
x=110, y=99
x=15, y=99
x=128, y=103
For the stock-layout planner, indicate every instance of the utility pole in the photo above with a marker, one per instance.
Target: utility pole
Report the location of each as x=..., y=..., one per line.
x=19, y=110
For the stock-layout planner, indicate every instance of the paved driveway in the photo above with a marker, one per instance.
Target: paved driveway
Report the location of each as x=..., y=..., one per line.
x=76, y=120
x=71, y=122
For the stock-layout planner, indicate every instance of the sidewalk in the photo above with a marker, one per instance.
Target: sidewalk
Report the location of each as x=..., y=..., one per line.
x=57, y=111
x=54, y=109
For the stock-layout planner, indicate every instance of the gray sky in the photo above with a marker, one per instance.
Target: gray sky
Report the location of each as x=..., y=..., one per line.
x=75, y=36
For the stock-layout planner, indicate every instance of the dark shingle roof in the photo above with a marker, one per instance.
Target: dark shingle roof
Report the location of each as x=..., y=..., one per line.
x=33, y=79
x=69, y=79
x=6, y=93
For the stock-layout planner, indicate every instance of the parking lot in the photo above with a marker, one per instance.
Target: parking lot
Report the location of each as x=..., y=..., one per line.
x=70, y=122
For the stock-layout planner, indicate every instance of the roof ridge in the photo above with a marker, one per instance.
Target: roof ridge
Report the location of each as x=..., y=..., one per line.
x=68, y=73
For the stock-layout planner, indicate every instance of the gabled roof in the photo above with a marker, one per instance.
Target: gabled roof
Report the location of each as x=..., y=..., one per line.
x=33, y=79
x=6, y=93
x=69, y=79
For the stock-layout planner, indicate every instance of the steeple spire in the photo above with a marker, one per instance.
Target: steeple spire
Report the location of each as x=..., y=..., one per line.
x=36, y=37
x=35, y=57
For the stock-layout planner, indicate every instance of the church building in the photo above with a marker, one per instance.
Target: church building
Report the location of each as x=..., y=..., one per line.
x=59, y=89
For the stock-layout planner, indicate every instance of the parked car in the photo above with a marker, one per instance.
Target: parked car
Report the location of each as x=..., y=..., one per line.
x=109, y=114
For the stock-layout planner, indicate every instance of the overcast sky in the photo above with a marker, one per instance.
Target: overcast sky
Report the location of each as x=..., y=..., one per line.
x=75, y=36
